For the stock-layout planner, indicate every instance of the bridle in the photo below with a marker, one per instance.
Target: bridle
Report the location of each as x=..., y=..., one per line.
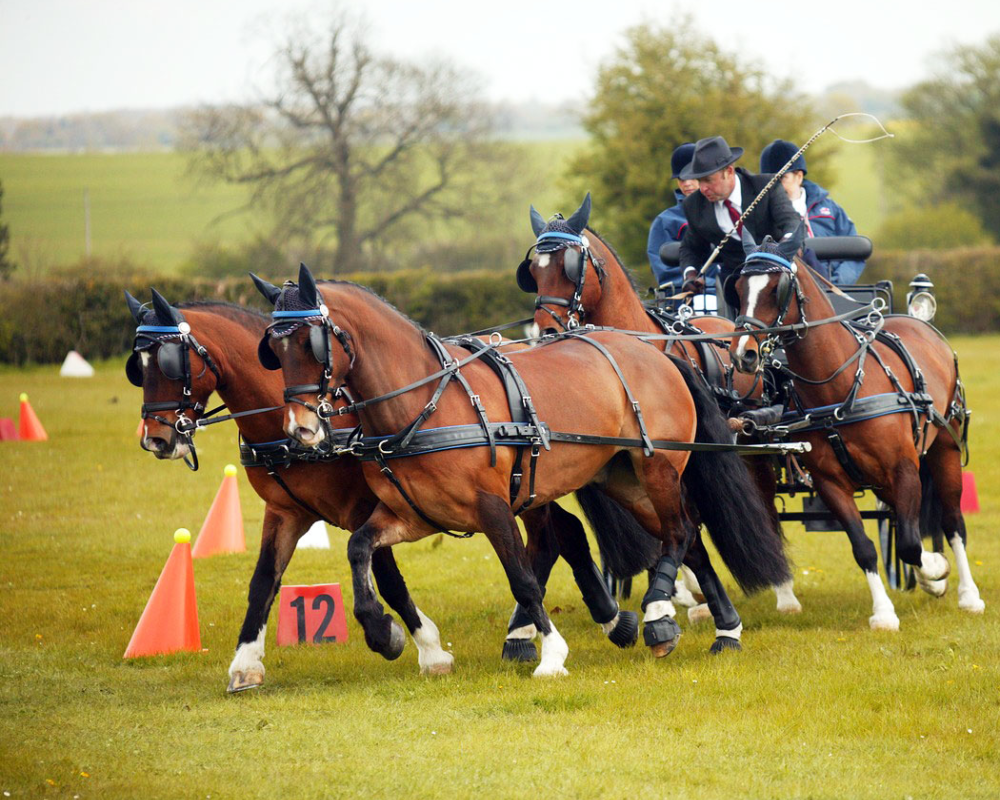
x=763, y=263
x=321, y=328
x=174, y=359
x=575, y=270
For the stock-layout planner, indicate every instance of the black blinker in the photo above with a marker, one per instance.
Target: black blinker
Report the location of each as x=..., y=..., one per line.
x=266, y=355
x=572, y=265
x=133, y=371
x=320, y=343
x=170, y=358
x=525, y=280
x=729, y=293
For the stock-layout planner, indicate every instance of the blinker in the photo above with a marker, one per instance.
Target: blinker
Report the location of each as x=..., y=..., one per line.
x=170, y=358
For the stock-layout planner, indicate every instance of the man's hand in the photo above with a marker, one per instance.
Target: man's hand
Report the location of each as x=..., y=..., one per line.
x=693, y=282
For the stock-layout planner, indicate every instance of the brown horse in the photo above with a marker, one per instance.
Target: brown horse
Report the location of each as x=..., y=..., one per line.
x=375, y=351
x=581, y=280
x=332, y=490
x=834, y=368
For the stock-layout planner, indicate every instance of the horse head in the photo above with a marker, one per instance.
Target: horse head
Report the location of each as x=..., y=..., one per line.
x=176, y=374
x=763, y=291
x=557, y=272
x=298, y=342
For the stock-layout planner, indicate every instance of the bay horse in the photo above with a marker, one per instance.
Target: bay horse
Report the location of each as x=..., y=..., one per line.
x=222, y=358
x=848, y=380
x=579, y=279
x=380, y=355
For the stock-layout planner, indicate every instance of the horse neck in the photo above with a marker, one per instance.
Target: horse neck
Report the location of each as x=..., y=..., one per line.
x=619, y=306
x=822, y=349
x=390, y=352
x=244, y=384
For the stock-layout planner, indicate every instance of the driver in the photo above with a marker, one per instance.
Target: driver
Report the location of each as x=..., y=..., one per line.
x=724, y=191
x=670, y=223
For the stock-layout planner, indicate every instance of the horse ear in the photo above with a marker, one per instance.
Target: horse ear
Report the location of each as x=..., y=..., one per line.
x=269, y=290
x=537, y=223
x=581, y=216
x=307, y=287
x=135, y=308
x=749, y=244
x=163, y=309
x=789, y=246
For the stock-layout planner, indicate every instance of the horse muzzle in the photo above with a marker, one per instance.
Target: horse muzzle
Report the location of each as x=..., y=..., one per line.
x=304, y=426
x=165, y=444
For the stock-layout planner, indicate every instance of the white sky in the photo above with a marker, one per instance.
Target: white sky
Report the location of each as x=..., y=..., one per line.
x=64, y=56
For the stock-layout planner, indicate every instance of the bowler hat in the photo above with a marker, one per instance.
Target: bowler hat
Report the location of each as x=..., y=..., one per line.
x=710, y=155
x=681, y=158
x=774, y=156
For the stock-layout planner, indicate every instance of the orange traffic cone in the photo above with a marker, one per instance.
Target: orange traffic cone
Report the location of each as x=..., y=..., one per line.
x=222, y=531
x=30, y=429
x=970, y=497
x=170, y=621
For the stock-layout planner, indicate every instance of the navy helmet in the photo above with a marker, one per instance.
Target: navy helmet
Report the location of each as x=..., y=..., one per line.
x=774, y=156
x=680, y=158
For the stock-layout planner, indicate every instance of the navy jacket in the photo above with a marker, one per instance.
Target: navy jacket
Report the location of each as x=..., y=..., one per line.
x=828, y=219
x=668, y=226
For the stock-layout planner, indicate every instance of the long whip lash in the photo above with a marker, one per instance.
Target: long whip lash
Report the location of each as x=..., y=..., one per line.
x=777, y=175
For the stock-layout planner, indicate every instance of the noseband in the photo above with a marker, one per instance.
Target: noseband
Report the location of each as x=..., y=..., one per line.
x=553, y=241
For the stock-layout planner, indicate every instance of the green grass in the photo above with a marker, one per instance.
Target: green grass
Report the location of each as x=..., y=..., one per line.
x=815, y=706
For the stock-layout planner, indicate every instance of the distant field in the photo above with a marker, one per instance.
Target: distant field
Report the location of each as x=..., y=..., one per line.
x=142, y=205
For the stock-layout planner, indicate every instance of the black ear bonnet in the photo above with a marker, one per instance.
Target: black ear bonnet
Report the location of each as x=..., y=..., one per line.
x=553, y=236
x=156, y=328
x=290, y=313
x=769, y=257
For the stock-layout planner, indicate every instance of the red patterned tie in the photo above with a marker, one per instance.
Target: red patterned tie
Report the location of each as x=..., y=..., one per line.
x=734, y=215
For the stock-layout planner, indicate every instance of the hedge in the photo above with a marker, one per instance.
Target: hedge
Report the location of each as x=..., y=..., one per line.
x=41, y=320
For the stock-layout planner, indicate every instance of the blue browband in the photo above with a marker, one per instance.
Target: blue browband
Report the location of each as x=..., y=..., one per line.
x=569, y=237
x=157, y=329
x=784, y=262
x=309, y=312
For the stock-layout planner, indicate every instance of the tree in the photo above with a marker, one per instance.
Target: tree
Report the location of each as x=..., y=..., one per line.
x=663, y=87
x=7, y=266
x=952, y=149
x=352, y=147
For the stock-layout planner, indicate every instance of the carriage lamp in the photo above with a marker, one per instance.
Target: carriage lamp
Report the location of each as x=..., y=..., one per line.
x=920, y=302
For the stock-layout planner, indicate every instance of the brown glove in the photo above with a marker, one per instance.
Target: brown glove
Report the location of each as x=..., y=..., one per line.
x=696, y=285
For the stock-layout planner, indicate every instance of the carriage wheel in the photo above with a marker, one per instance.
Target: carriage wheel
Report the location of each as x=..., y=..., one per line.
x=900, y=575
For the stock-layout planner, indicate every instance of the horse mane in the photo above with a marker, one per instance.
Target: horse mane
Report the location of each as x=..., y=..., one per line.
x=628, y=272
x=249, y=318
x=423, y=331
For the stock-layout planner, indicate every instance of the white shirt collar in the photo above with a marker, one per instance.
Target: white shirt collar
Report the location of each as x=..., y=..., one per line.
x=799, y=204
x=722, y=213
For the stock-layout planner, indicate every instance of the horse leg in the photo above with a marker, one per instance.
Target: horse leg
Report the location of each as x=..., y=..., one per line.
x=432, y=658
x=277, y=544
x=497, y=521
x=944, y=463
x=762, y=472
x=728, y=626
x=543, y=550
x=904, y=496
x=382, y=633
x=840, y=500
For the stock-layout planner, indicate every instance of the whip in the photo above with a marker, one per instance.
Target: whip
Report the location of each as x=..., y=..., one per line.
x=785, y=168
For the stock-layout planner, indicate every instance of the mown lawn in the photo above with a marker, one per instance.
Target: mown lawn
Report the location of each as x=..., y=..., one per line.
x=815, y=706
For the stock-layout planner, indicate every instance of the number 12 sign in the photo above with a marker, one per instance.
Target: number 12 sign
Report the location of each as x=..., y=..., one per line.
x=311, y=614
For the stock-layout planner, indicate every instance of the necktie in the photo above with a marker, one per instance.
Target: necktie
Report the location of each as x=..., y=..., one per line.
x=734, y=215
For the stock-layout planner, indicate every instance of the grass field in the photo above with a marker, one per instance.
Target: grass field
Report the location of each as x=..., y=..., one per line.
x=815, y=706
x=143, y=206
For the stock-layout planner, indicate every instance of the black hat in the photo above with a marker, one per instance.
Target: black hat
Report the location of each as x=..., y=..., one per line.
x=710, y=155
x=681, y=158
x=774, y=156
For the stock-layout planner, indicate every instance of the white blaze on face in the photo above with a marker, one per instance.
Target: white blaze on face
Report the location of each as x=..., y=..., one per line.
x=755, y=285
x=144, y=358
x=543, y=260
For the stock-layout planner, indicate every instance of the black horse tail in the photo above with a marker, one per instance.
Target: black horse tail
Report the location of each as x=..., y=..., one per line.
x=728, y=499
x=626, y=549
x=931, y=509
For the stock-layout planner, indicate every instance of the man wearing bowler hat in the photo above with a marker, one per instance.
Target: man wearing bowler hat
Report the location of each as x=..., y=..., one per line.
x=724, y=191
x=670, y=223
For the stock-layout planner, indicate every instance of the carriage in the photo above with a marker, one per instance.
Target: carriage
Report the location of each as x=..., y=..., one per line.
x=792, y=480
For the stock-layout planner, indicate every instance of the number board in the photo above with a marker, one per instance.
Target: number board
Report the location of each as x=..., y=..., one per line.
x=311, y=614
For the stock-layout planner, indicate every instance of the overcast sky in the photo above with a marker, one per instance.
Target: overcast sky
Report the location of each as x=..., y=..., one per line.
x=64, y=56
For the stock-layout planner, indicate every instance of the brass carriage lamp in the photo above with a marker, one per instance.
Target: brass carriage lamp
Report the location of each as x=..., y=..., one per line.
x=920, y=301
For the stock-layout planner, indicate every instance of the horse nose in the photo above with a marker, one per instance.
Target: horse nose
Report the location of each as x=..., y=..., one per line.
x=747, y=362
x=155, y=444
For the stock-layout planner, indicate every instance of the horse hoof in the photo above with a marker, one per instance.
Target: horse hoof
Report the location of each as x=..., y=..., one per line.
x=974, y=605
x=884, y=622
x=397, y=641
x=724, y=643
x=549, y=672
x=241, y=681
x=519, y=650
x=698, y=613
x=661, y=636
x=790, y=608
x=933, y=588
x=626, y=631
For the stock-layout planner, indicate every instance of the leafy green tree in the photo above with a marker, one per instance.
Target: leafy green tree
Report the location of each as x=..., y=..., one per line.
x=665, y=86
x=7, y=266
x=941, y=226
x=951, y=151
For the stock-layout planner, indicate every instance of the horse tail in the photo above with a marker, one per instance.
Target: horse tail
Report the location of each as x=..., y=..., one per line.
x=728, y=499
x=931, y=509
x=626, y=549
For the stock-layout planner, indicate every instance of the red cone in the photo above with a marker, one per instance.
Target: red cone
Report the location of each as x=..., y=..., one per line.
x=222, y=531
x=170, y=620
x=30, y=429
x=970, y=498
